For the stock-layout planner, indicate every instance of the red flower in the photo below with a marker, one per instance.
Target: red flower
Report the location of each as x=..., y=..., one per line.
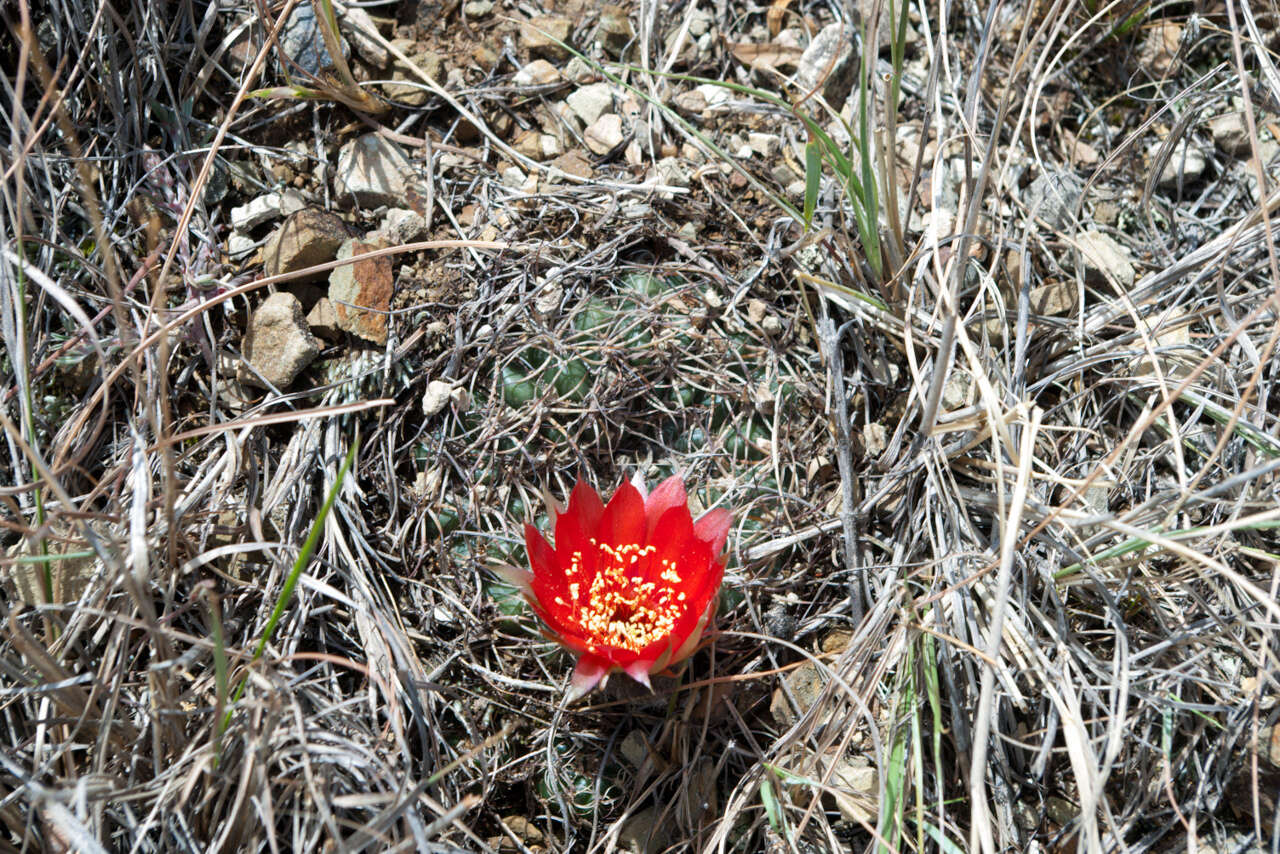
x=630, y=586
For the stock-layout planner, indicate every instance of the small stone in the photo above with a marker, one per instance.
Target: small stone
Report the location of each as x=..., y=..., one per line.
x=691, y=103
x=670, y=172
x=958, y=391
x=361, y=291
x=322, y=320
x=615, y=31
x=1230, y=133
x=548, y=300
x=764, y=144
x=580, y=71
x=437, y=397
x=1160, y=47
x=477, y=8
x=573, y=163
x=634, y=748
x=605, y=134
x=358, y=24
x=645, y=832
x=1106, y=259
x=308, y=237
x=537, y=73
x=529, y=143
x=302, y=41
x=712, y=299
x=1185, y=166
x=874, y=439
x=756, y=310
x=714, y=94
x=372, y=171
x=541, y=33
x=688, y=231
x=856, y=788
x=239, y=245
x=1053, y=299
x=591, y=102
x=402, y=226
x=806, y=683
x=513, y=176
x=278, y=343
x=247, y=217
x=412, y=91
x=1060, y=810
x=1053, y=197
x=828, y=61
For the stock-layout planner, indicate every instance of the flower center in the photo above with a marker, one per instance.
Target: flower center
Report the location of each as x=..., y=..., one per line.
x=619, y=608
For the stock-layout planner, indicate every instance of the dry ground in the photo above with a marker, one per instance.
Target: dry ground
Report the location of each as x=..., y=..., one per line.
x=1004, y=568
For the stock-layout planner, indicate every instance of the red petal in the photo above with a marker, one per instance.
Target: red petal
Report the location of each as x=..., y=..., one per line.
x=585, y=506
x=587, y=675
x=670, y=493
x=623, y=521
x=670, y=538
x=712, y=528
x=542, y=558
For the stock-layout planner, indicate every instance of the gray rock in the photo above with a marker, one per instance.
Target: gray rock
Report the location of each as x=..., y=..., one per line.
x=1230, y=133
x=278, y=343
x=537, y=73
x=1053, y=197
x=829, y=50
x=302, y=41
x=323, y=320
x=605, y=134
x=1106, y=259
x=359, y=25
x=589, y=103
x=402, y=225
x=1185, y=166
x=265, y=208
x=372, y=171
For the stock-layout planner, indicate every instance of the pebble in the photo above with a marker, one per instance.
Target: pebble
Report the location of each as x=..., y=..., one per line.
x=278, y=343
x=372, y=171
x=605, y=134
x=589, y=103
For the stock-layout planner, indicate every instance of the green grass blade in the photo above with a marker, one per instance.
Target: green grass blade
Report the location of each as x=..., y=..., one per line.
x=812, y=180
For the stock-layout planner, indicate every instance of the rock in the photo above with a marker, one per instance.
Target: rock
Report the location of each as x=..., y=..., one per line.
x=701, y=791
x=605, y=135
x=306, y=238
x=1054, y=299
x=1053, y=197
x=1230, y=133
x=361, y=291
x=959, y=390
x=644, y=833
x=402, y=226
x=412, y=91
x=537, y=73
x=590, y=102
x=477, y=8
x=1160, y=47
x=541, y=33
x=239, y=245
x=358, y=24
x=536, y=145
x=830, y=52
x=1060, y=810
x=806, y=683
x=278, y=343
x=671, y=172
x=265, y=208
x=615, y=31
x=1106, y=259
x=856, y=790
x=302, y=41
x=436, y=398
x=513, y=177
x=580, y=71
x=715, y=95
x=1185, y=166
x=634, y=748
x=874, y=439
x=573, y=163
x=764, y=144
x=547, y=301
x=372, y=171
x=690, y=103
x=322, y=320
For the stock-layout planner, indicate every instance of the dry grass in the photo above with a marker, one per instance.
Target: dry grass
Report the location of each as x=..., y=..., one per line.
x=1003, y=575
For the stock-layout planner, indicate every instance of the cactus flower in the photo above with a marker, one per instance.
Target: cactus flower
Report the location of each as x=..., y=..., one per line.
x=630, y=586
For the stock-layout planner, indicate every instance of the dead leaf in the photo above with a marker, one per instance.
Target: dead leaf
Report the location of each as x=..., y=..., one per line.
x=773, y=56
